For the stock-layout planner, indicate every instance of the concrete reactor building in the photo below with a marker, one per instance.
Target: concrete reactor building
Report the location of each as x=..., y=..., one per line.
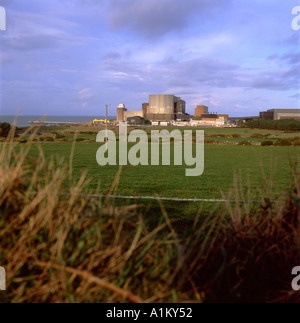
x=161, y=107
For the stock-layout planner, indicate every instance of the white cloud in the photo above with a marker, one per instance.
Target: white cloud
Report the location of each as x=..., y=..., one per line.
x=85, y=94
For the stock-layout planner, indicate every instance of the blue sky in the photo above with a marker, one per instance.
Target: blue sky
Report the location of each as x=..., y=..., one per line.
x=72, y=57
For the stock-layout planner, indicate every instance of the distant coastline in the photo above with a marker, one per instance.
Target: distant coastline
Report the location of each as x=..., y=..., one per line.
x=23, y=121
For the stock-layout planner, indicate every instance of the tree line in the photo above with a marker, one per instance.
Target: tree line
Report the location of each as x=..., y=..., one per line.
x=284, y=124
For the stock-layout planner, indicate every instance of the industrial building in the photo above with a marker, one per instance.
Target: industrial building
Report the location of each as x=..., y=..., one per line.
x=123, y=114
x=164, y=107
x=279, y=114
x=210, y=119
x=204, y=118
x=145, y=108
x=161, y=108
x=201, y=109
x=170, y=109
x=135, y=120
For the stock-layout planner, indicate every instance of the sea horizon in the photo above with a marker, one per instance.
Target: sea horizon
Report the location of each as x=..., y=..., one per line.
x=23, y=120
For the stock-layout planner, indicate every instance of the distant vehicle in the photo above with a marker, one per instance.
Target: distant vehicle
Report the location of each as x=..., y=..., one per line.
x=96, y=121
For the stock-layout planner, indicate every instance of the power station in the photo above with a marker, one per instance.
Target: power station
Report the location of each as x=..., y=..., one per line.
x=161, y=108
x=164, y=109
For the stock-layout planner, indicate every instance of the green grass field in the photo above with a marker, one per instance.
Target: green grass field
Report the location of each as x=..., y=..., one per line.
x=245, y=133
x=58, y=243
x=256, y=166
x=221, y=163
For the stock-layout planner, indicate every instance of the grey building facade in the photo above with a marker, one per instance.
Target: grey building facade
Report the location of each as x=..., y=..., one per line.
x=165, y=107
x=279, y=114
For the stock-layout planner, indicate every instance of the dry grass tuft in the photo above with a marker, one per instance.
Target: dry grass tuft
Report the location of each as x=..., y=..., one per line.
x=58, y=246
x=249, y=250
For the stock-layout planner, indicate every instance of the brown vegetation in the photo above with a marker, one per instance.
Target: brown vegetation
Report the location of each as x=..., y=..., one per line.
x=59, y=246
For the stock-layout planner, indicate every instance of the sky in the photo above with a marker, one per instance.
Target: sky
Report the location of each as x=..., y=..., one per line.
x=73, y=57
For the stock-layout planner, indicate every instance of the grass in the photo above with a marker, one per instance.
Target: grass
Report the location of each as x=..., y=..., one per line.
x=58, y=246
x=49, y=232
x=170, y=181
x=252, y=163
x=245, y=133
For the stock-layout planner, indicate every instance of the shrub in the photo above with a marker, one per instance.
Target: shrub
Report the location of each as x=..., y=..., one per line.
x=257, y=136
x=284, y=124
x=267, y=143
x=283, y=142
x=245, y=143
x=59, y=136
x=297, y=143
x=49, y=139
x=4, y=129
x=233, y=136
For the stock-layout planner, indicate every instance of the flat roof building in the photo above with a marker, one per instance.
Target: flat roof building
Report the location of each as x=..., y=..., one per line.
x=279, y=114
x=201, y=109
x=123, y=114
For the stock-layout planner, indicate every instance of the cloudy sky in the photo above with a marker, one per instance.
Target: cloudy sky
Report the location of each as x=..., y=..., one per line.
x=72, y=57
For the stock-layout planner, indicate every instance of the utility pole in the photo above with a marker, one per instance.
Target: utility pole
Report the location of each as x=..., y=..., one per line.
x=106, y=106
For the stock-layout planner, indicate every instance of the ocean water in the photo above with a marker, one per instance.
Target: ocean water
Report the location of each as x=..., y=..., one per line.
x=23, y=121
